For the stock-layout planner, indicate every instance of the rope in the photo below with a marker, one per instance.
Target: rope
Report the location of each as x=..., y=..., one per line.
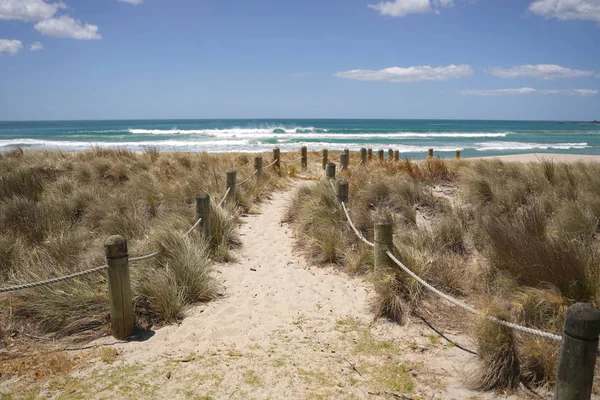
x=53, y=280
x=270, y=165
x=193, y=227
x=142, y=258
x=361, y=161
x=361, y=237
x=224, y=197
x=470, y=309
x=246, y=180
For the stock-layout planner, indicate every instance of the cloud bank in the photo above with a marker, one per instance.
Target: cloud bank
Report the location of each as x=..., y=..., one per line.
x=134, y=2
x=527, y=90
x=28, y=10
x=408, y=74
x=400, y=8
x=539, y=71
x=564, y=10
x=67, y=27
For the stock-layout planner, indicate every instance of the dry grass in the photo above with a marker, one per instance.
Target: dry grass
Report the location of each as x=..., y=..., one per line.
x=57, y=208
x=522, y=237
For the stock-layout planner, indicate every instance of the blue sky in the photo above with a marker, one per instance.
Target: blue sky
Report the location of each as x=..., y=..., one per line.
x=116, y=59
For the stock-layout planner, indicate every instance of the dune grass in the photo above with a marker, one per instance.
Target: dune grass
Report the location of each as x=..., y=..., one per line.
x=519, y=239
x=56, y=210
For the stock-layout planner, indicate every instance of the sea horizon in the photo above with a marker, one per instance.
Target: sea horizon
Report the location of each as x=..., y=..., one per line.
x=412, y=137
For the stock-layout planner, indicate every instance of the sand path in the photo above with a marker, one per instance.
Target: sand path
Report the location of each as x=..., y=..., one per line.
x=283, y=329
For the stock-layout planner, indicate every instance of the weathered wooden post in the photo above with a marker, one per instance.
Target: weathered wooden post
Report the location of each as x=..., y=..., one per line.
x=325, y=156
x=396, y=155
x=231, y=179
x=277, y=157
x=341, y=191
x=330, y=171
x=347, y=151
x=303, y=157
x=383, y=242
x=258, y=166
x=458, y=154
x=578, y=353
x=363, y=155
x=370, y=154
x=390, y=154
x=343, y=161
x=203, y=211
x=119, y=288
x=430, y=153
x=380, y=155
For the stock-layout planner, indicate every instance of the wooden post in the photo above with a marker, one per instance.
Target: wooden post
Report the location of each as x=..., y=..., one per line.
x=203, y=211
x=258, y=166
x=363, y=155
x=430, y=153
x=380, y=155
x=347, y=151
x=231, y=182
x=383, y=242
x=396, y=155
x=277, y=157
x=370, y=154
x=458, y=154
x=119, y=288
x=343, y=161
x=390, y=154
x=325, y=156
x=341, y=191
x=578, y=353
x=304, y=157
x=330, y=172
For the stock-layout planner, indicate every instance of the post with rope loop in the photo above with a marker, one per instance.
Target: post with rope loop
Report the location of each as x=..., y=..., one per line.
x=383, y=242
x=430, y=153
x=380, y=155
x=277, y=157
x=578, y=353
x=341, y=191
x=390, y=154
x=330, y=171
x=458, y=154
x=343, y=161
x=396, y=155
x=258, y=167
x=370, y=153
x=119, y=288
x=231, y=179
x=363, y=155
x=303, y=157
x=325, y=156
x=203, y=211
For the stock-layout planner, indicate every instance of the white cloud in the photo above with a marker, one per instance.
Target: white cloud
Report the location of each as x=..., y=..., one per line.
x=28, y=10
x=36, y=46
x=301, y=74
x=527, y=90
x=587, y=10
x=496, y=92
x=134, y=2
x=66, y=27
x=10, y=47
x=408, y=74
x=539, y=71
x=400, y=8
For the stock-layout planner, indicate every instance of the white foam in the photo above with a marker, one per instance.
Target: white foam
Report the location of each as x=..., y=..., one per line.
x=498, y=146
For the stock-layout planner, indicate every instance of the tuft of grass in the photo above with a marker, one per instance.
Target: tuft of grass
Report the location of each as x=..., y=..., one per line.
x=108, y=354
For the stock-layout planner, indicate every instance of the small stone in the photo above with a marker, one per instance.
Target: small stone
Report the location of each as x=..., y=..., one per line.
x=169, y=375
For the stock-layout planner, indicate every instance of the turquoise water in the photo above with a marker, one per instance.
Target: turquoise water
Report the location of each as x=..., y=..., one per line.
x=411, y=137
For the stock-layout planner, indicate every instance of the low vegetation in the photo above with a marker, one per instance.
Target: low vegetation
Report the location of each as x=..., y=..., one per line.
x=519, y=241
x=56, y=210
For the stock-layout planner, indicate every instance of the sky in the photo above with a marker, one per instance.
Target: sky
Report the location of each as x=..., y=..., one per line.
x=159, y=59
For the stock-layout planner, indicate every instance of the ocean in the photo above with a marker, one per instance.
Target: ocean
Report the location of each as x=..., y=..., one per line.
x=411, y=137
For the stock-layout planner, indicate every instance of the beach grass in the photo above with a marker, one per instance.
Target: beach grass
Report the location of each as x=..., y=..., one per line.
x=518, y=240
x=56, y=210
